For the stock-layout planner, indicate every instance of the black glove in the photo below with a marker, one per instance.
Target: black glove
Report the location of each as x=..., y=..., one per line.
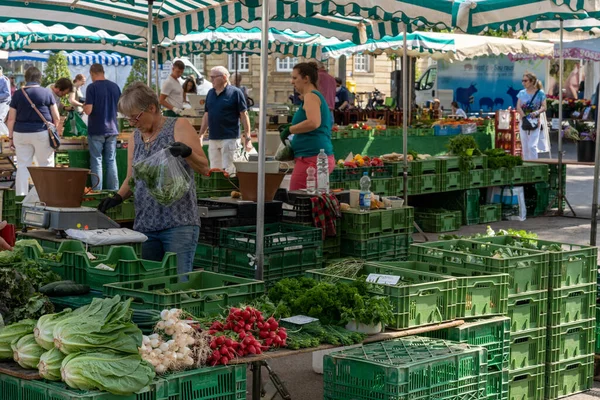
x=110, y=202
x=180, y=149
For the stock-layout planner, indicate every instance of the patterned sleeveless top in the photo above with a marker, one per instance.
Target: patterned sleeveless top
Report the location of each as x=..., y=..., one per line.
x=149, y=215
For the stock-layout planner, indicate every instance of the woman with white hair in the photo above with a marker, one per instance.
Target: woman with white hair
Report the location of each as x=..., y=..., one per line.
x=224, y=108
x=169, y=229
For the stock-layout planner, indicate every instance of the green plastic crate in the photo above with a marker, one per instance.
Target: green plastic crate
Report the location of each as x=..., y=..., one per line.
x=528, y=272
x=215, y=181
x=383, y=186
x=209, y=383
x=537, y=172
x=450, y=181
x=496, y=177
x=527, y=384
x=438, y=221
x=448, y=164
x=573, y=304
x=206, y=257
x=497, y=385
x=527, y=349
x=466, y=201
x=553, y=179
x=277, y=237
x=203, y=292
x=426, y=184
x=571, y=340
x=357, y=225
x=528, y=311
x=517, y=175
x=574, y=265
x=73, y=302
x=538, y=199
x=420, y=167
x=569, y=377
x=127, y=267
x=277, y=265
x=490, y=213
x=382, y=248
x=65, y=266
x=412, y=185
x=475, y=178
x=478, y=294
x=413, y=368
x=493, y=334
x=421, y=299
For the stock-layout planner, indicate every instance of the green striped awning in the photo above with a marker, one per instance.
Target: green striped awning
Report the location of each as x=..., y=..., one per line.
x=174, y=17
x=221, y=40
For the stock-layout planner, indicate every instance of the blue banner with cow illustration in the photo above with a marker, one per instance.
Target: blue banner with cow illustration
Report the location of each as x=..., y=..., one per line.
x=487, y=83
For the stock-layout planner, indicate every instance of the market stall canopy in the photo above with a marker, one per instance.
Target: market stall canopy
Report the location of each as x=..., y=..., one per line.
x=179, y=17
x=443, y=46
x=588, y=49
x=222, y=40
x=74, y=58
x=517, y=15
x=15, y=35
x=586, y=25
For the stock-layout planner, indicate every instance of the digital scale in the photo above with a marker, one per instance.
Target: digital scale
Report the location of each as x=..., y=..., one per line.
x=60, y=219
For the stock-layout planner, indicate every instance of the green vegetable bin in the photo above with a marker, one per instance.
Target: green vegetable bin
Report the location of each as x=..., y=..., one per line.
x=527, y=383
x=527, y=349
x=415, y=368
x=278, y=237
x=356, y=225
x=569, y=377
x=127, y=267
x=209, y=383
x=528, y=269
x=419, y=298
x=203, y=292
x=479, y=294
x=571, y=340
x=528, y=311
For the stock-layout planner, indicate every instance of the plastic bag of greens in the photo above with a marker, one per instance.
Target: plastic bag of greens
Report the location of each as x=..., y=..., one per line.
x=164, y=176
x=74, y=125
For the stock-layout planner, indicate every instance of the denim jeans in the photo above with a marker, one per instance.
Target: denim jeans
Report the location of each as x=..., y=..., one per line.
x=104, y=148
x=181, y=240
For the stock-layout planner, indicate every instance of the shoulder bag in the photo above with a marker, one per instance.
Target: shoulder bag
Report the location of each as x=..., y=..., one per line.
x=52, y=131
x=526, y=124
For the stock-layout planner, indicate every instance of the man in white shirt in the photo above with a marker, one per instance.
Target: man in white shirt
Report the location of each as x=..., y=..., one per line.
x=171, y=92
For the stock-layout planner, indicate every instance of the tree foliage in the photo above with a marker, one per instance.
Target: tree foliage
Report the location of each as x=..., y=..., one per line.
x=56, y=68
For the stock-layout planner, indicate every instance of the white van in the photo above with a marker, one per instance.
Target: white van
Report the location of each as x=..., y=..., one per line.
x=202, y=85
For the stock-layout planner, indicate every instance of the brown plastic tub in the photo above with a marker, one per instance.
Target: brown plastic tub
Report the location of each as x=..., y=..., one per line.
x=248, y=185
x=59, y=187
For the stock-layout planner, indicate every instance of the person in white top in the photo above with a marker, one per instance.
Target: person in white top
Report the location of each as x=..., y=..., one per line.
x=457, y=111
x=171, y=92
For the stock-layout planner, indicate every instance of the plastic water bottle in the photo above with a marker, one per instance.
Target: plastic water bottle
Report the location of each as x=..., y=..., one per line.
x=364, y=199
x=322, y=172
x=311, y=180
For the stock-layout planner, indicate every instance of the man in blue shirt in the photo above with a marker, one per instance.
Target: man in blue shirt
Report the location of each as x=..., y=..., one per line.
x=225, y=107
x=101, y=98
x=4, y=102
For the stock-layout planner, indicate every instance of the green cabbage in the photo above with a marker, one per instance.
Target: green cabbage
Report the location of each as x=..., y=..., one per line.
x=13, y=332
x=103, y=325
x=117, y=373
x=50, y=363
x=44, y=330
x=27, y=352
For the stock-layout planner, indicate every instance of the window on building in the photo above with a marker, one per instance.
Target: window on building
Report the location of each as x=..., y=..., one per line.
x=243, y=63
x=198, y=61
x=362, y=63
x=286, y=64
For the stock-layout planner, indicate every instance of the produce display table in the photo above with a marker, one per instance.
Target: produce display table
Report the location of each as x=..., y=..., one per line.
x=377, y=145
x=258, y=360
x=554, y=161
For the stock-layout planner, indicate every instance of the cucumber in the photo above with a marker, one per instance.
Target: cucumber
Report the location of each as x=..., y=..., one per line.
x=70, y=289
x=49, y=288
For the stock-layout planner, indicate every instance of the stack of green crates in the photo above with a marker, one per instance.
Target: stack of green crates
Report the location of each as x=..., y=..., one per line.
x=466, y=201
x=438, y=220
x=571, y=317
x=377, y=234
x=415, y=368
x=553, y=181
x=493, y=334
x=289, y=251
x=527, y=301
x=11, y=207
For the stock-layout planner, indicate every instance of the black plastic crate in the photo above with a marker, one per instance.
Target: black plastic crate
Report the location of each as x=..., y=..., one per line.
x=210, y=228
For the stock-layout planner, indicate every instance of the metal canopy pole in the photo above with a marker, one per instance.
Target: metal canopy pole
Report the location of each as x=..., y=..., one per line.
x=262, y=135
x=405, y=115
x=596, y=173
x=149, y=44
x=156, y=71
x=560, y=120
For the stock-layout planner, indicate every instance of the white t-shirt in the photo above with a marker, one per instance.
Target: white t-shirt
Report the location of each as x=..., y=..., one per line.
x=174, y=92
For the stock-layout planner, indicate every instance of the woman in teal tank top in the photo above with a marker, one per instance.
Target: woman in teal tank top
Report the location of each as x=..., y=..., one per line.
x=311, y=125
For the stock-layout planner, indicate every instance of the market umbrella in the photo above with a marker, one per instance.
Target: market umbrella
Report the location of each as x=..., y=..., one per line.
x=443, y=46
x=74, y=58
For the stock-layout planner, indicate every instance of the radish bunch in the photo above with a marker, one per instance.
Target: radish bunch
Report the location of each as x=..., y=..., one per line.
x=244, y=332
